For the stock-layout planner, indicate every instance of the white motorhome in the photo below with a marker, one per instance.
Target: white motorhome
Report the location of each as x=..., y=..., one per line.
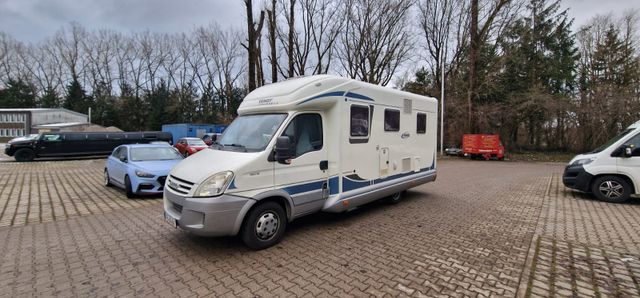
x=317, y=143
x=611, y=172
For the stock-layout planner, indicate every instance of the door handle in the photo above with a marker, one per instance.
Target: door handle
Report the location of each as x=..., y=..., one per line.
x=324, y=164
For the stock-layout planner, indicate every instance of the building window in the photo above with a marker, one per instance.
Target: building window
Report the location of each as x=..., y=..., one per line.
x=422, y=123
x=391, y=120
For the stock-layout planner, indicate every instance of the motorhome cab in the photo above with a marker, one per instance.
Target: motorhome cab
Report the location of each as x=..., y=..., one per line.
x=612, y=171
x=317, y=143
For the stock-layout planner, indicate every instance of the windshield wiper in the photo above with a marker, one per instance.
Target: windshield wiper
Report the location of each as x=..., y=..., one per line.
x=236, y=145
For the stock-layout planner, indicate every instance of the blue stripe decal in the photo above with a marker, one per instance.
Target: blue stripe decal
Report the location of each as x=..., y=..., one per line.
x=348, y=184
x=333, y=185
x=329, y=94
x=300, y=188
x=358, y=96
x=338, y=93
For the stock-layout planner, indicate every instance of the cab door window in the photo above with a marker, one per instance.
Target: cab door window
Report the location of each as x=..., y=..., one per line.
x=635, y=144
x=305, y=133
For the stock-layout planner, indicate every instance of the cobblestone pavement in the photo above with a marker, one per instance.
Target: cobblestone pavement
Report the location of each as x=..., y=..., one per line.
x=482, y=229
x=49, y=190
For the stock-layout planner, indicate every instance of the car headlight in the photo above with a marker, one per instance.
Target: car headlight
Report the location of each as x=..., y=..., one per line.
x=214, y=185
x=583, y=161
x=144, y=174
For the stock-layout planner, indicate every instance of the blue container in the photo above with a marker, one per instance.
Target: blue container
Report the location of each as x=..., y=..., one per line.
x=183, y=130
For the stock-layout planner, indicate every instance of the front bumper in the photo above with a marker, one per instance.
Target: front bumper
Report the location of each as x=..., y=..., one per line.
x=7, y=150
x=577, y=177
x=153, y=185
x=217, y=216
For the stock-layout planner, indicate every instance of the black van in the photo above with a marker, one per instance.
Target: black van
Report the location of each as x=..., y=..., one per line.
x=59, y=144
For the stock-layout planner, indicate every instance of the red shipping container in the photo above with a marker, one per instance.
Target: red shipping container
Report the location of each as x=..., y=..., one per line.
x=482, y=146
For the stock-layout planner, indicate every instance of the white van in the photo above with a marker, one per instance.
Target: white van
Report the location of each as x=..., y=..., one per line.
x=612, y=171
x=301, y=146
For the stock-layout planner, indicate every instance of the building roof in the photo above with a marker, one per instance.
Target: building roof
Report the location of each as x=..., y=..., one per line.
x=42, y=110
x=62, y=124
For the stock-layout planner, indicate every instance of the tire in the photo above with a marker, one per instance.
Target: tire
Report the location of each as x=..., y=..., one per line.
x=611, y=189
x=24, y=155
x=107, y=179
x=264, y=226
x=127, y=187
x=395, y=198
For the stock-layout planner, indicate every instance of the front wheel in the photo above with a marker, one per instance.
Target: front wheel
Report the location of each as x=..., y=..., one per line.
x=264, y=226
x=612, y=189
x=24, y=154
x=127, y=187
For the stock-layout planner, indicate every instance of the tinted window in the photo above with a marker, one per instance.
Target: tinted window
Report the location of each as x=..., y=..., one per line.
x=305, y=132
x=130, y=136
x=391, y=120
x=359, y=121
x=96, y=136
x=196, y=142
x=75, y=137
x=421, y=123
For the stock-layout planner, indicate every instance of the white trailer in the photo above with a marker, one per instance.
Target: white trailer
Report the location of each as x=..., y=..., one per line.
x=317, y=143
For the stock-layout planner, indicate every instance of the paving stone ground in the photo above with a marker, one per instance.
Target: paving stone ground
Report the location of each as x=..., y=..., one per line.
x=482, y=229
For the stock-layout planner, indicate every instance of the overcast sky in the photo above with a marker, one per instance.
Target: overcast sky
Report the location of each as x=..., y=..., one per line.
x=34, y=20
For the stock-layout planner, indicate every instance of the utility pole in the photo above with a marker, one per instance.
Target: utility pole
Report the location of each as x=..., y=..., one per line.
x=442, y=60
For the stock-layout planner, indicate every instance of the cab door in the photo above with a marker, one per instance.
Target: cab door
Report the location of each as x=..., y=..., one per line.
x=304, y=176
x=630, y=166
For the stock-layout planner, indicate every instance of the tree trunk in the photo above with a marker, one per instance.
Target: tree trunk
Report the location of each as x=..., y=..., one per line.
x=272, y=41
x=473, y=56
x=292, y=4
x=251, y=46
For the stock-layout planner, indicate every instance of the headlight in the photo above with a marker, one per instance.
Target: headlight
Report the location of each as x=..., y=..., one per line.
x=144, y=174
x=214, y=185
x=583, y=161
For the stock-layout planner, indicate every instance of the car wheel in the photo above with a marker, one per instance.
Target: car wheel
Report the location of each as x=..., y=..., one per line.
x=394, y=198
x=127, y=187
x=24, y=155
x=107, y=179
x=264, y=226
x=612, y=189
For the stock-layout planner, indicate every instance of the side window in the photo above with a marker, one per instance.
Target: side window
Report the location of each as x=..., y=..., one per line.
x=421, y=123
x=51, y=138
x=305, y=132
x=635, y=141
x=123, y=153
x=359, y=124
x=391, y=120
x=116, y=153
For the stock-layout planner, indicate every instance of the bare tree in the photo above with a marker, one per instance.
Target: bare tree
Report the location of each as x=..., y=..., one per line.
x=375, y=40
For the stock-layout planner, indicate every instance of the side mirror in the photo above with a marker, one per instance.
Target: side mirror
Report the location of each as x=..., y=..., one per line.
x=123, y=159
x=283, y=149
x=628, y=151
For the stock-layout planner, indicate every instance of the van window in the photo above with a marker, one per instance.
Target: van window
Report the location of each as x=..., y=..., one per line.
x=635, y=141
x=359, y=121
x=96, y=136
x=421, y=121
x=305, y=132
x=391, y=120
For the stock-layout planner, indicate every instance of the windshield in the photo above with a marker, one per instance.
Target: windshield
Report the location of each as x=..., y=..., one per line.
x=250, y=133
x=154, y=153
x=196, y=142
x=612, y=141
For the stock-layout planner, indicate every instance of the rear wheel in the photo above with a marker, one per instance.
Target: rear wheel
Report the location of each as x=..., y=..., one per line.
x=107, y=179
x=127, y=187
x=612, y=189
x=24, y=154
x=264, y=226
x=394, y=198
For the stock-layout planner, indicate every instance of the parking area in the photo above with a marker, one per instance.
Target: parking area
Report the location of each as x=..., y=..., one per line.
x=482, y=229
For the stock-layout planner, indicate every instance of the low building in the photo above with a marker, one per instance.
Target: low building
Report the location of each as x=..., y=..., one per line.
x=20, y=122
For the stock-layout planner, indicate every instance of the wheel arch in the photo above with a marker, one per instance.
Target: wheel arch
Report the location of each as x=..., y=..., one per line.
x=622, y=176
x=278, y=196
